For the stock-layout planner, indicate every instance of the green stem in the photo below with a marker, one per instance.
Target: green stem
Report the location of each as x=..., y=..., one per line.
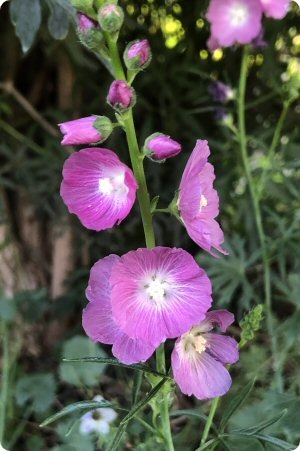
x=210, y=418
x=5, y=381
x=145, y=209
x=164, y=404
x=274, y=143
x=257, y=213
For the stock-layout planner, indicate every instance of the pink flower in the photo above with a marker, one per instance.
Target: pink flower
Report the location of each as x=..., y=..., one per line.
x=85, y=23
x=121, y=96
x=159, y=147
x=275, y=8
x=158, y=293
x=198, y=201
x=212, y=43
x=97, y=318
x=234, y=21
x=86, y=130
x=199, y=357
x=137, y=54
x=98, y=188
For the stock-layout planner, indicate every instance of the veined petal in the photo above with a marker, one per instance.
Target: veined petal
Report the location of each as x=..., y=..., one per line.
x=130, y=351
x=222, y=348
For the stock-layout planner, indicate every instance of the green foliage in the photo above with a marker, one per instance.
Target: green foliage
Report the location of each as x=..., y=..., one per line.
x=77, y=373
x=36, y=389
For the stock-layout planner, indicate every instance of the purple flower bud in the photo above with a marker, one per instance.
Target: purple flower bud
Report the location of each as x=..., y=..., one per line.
x=158, y=147
x=85, y=23
x=111, y=18
x=86, y=130
x=137, y=55
x=221, y=92
x=121, y=96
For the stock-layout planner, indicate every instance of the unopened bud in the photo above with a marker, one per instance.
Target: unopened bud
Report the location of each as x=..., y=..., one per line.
x=121, y=96
x=137, y=55
x=158, y=147
x=111, y=18
x=85, y=23
x=86, y=130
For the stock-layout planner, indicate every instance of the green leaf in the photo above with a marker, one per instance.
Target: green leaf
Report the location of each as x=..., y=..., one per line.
x=38, y=389
x=273, y=440
x=111, y=361
x=58, y=22
x=26, y=17
x=79, y=374
x=236, y=402
x=81, y=406
x=117, y=438
x=263, y=425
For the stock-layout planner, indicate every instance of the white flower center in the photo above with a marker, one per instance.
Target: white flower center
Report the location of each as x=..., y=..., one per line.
x=156, y=290
x=203, y=202
x=238, y=14
x=113, y=185
x=194, y=343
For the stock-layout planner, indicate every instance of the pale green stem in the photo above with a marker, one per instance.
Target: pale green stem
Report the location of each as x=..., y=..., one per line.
x=210, y=418
x=257, y=214
x=145, y=208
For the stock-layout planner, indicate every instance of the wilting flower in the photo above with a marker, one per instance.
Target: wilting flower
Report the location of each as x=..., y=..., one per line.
x=275, y=8
x=98, y=188
x=121, y=96
x=97, y=420
x=159, y=147
x=198, y=201
x=86, y=130
x=221, y=92
x=158, y=293
x=97, y=319
x=234, y=21
x=137, y=55
x=199, y=357
x=85, y=23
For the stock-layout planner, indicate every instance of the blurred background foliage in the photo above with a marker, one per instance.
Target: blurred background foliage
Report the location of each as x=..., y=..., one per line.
x=47, y=77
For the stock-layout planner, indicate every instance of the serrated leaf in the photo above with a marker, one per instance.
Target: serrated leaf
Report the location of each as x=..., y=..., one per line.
x=36, y=389
x=235, y=403
x=111, y=361
x=80, y=406
x=26, y=17
x=263, y=425
x=78, y=374
x=58, y=21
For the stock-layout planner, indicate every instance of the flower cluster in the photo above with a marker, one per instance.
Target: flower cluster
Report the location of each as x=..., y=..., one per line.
x=240, y=21
x=141, y=299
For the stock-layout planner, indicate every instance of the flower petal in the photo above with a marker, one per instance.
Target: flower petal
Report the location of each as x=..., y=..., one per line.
x=222, y=318
x=130, y=351
x=222, y=348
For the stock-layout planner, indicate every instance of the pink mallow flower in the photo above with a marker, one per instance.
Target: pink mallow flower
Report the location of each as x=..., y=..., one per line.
x=198, y=201
x=158, y=147
x=97, y=319
x=158, y=293
x=199, y=357
x=275, y=8
x=86, y=130
x=234, y=21
x=98, y=188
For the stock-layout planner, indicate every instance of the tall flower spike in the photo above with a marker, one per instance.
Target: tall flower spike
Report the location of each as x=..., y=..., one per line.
x=198, y=201
x=98, y=188
x=234, y=21
x=97, y=317
x=158, y=293
x=199, y=357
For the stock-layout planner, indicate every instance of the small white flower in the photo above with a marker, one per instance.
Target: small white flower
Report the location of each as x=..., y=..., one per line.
x=97, y=420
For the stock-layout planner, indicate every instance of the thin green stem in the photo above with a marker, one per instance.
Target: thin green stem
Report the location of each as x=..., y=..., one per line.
x=145, y=209
x=164, y=405
x=274, y=143
x=210, y=418
x=5, y=381
x=257, y=213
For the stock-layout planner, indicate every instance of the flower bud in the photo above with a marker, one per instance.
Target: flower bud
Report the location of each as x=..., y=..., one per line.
x=86, y=130
x=85, y=23
x=111, y=18
x=121, y=96
x=137, y=55
x=85, y=6
x=158, y=147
